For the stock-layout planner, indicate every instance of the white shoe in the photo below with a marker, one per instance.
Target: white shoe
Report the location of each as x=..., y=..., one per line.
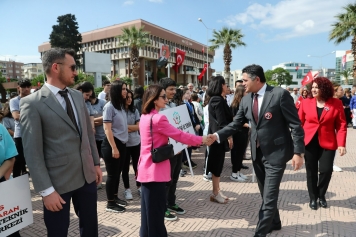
x=237, y=178
x=242, y=175
x=208, y=177
x=337, y=168
x=128, y=194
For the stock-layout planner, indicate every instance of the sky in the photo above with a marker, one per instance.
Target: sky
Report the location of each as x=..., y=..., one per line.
x=274, y=31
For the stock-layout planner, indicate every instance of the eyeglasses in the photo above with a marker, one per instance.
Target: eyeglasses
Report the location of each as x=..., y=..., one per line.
x=72, y=67
x=163, y=96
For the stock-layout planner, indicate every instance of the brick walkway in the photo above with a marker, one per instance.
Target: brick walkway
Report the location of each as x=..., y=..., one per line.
x=240, y=215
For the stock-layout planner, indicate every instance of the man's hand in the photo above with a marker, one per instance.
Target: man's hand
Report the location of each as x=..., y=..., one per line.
x=212, y=138
x=197, y=128
x=297, y=162
x=99, y=175
x=115, y=153
x=53, y=202
x=342, y=150
x=231, y=143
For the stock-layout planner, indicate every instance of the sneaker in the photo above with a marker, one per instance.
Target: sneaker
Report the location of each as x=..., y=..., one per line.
x=337, y=168
x=168, y=216
x=207, y=178
x=237, y=178
x=128, y=194
x=186, y=165
x=139, y=191
x=115, y=208
x=176, y=209
x=100, y=186
x=242, y=175
x=182, y=173
x=122, y=203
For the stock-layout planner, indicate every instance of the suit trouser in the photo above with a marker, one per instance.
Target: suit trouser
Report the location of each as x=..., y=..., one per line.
x=316, y=156
x=134, y=153
x=153, y=207
x=20, y=163
x=84, y=201
x=176, y=165
x=240, y=141
x=269, y=178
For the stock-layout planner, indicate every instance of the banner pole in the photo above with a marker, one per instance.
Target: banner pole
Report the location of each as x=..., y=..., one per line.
x=190, y=165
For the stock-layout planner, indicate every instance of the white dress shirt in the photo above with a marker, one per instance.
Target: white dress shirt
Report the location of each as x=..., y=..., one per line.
x=62, y=102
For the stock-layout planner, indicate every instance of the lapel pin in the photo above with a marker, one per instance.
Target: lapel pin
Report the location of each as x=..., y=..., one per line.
x=268, y=115
x=326, y=108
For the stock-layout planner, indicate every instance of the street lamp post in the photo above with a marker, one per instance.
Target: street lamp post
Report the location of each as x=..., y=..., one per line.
x=207, y=50
x=321, y=60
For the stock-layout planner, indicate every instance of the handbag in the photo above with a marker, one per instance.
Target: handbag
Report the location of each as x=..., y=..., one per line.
x=162, y=153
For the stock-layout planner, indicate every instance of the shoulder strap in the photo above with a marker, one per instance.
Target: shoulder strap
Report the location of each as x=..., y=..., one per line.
x=151, y=134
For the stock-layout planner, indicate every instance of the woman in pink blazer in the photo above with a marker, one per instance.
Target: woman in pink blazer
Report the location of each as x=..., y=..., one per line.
x=154, y=176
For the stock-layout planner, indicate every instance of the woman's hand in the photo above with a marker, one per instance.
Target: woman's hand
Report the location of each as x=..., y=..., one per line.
x=115, y=153
x=342, y=150
x=231, y=143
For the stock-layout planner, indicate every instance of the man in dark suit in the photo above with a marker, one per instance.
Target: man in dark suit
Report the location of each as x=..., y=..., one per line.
x=274, y=121
x=60, y=147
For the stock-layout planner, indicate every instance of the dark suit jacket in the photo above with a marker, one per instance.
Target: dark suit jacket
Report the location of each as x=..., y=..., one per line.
x=55, y=153
x=278, y=121
x=219, y=115
x=331, y=127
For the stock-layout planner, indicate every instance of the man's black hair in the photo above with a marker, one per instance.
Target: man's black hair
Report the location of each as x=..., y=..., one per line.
x=166, y=82
x=24, y=83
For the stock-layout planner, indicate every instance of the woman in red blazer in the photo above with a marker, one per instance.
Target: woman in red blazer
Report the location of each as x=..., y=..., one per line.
x=324, y=124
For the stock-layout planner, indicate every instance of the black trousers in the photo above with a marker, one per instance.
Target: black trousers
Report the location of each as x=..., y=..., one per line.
x=98, y=147
x=20, y=163
x=240, y=140
x=268, y=178
x=134, y=153
x=176, y=164
x=84, y=201
x=113, y=165
x=153, y=207
x=316, y=155
x=348, y=115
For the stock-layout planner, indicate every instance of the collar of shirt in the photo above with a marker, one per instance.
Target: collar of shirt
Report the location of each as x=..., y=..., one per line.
x=52, y=88
x=262, y=91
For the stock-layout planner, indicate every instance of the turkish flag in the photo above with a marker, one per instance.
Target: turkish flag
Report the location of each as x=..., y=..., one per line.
x=180, y=55
x=202, y=50
x=307, y=79
x=202, y=72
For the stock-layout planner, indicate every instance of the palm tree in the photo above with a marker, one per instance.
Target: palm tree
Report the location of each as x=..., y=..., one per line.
x=135, y=39
x=344, y=28
x=345, y=74
x=230, y=39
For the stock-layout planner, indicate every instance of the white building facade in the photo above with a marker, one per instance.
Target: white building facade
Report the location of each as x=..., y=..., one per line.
x=296, y=70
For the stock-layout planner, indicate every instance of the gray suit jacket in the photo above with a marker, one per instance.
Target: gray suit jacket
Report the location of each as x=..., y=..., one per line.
x=278, y=122
x=54, y=151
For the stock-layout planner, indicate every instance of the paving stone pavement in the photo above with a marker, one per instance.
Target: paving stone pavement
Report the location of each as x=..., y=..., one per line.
x=240, y=215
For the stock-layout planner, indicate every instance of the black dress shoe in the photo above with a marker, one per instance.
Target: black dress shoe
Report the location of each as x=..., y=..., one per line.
x=244, y=167
x=323, y=203
x=275, y=226
x=313, y=205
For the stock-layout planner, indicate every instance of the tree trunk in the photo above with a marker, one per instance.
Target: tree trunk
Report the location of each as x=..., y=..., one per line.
x=227, y=61
x=134, y=54
x=353, y=44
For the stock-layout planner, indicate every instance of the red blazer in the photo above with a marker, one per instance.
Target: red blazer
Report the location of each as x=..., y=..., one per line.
x=332, y=124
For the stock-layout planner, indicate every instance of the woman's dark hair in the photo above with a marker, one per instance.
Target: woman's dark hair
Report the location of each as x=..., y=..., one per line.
x=177, y=98
x=239, y=93
x=325, y=87
x=194, y=97
x=206, y=100
x=131, y=107
x=116, y=95
x=6, y=110
x=215, y=86
x=139, y=92
x=184, y=90
x=151, y=94
x=85, y=87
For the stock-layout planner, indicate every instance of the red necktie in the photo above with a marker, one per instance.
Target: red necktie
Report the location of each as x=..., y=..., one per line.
x=255, y=108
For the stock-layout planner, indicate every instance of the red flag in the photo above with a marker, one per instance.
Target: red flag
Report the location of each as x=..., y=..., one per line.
x=202, y=72
x=38, y=83
x=296, y=68
x=202, y=50
x=297, y=104
x=180, y=55
x=307, y=79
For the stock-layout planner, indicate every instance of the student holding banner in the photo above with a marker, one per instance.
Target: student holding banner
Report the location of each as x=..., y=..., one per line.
x=7, y=157
x=154, y=176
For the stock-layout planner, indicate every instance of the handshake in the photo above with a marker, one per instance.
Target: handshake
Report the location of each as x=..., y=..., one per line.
x=210, y=139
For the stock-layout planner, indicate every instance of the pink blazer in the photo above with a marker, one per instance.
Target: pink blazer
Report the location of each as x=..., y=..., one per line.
x=161, y=130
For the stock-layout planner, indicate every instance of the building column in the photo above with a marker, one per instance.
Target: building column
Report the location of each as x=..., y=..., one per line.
x=154, y=70
x=141, y=74
x=184, y=75
x=176, y=76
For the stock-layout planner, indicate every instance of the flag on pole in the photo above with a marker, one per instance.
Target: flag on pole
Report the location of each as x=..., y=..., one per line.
x=180, y=55
x=296, y=68
x=309, y=78
x=202, y=72
x=202, y=49
x=344, y=62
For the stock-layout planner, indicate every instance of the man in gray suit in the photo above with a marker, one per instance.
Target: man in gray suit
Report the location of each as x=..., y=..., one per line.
x=274, y=121
x=60, y=148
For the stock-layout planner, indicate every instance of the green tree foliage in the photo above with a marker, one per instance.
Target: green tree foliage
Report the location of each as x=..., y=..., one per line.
x=278, y=77
x=345, y=28
x=345, y=74
x=160, y=75
x=66, y=35
x=135, y=39
x=230, y=39
x=82, y=77
x=39, y=78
